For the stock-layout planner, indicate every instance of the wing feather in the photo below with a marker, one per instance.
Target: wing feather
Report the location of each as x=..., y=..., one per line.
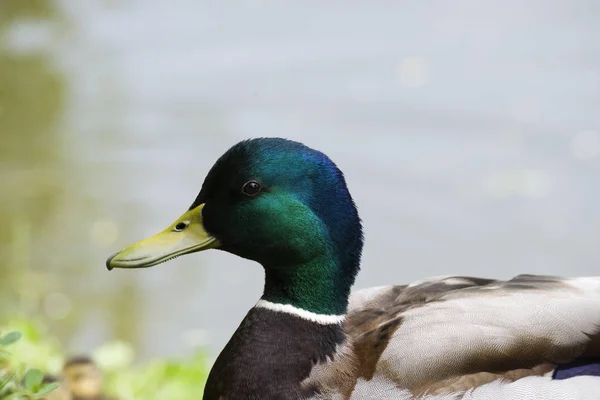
x=434, y=333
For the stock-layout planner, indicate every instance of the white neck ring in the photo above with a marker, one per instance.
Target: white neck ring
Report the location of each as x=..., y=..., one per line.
x=322, y=319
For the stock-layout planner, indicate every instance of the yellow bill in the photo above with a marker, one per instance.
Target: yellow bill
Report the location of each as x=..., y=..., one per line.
x=185, y=235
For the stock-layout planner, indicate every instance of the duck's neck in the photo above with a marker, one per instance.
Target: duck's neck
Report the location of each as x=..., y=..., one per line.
x=296, y=324
x=317, y=286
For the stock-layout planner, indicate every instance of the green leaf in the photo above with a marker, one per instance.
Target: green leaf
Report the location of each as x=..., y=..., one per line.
x=10, y=338
x=47, y=388
x=5, y=380
x=33, y=379
x=21, y=395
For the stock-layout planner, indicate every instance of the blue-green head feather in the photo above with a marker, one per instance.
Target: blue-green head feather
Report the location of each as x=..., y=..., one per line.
x=286, y=206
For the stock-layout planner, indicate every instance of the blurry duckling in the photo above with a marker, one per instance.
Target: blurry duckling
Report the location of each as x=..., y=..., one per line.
x=83, y=379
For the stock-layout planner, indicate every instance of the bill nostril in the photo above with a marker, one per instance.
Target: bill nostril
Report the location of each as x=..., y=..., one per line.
x=181, y=226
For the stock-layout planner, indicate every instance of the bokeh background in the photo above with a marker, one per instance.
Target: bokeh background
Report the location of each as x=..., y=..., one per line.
x=469, y=132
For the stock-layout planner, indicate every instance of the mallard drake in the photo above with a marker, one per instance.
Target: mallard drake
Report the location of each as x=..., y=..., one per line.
x=287, y=207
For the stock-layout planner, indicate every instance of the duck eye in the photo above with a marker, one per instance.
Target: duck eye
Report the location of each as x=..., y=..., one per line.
x=251, y=188
x=181, y=226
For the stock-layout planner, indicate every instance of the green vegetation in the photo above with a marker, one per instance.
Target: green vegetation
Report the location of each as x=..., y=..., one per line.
x=17, y=381
x=38, y=185
x=27, y=352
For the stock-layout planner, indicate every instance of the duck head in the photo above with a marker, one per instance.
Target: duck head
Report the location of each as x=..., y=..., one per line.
x=279, y=203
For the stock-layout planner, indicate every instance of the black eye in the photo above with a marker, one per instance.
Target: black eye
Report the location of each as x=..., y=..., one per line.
x=251, y=188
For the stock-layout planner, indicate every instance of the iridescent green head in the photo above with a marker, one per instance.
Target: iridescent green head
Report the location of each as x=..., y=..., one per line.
x=281, y=204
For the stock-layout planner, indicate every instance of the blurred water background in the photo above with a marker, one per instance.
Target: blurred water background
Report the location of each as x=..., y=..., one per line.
x=469, y=132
